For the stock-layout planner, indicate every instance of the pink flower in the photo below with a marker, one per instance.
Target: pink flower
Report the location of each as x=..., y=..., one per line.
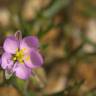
x=21, y=56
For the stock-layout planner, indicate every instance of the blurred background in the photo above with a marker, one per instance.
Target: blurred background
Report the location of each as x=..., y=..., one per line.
x=67, y=33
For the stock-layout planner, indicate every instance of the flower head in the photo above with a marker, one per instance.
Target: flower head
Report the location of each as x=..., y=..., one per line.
x=21, y=56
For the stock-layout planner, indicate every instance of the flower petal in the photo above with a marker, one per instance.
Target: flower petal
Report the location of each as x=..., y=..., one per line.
x=33, y=59
x=29, y=42
x=6, y=61
x=21, y=71
x=11, y=45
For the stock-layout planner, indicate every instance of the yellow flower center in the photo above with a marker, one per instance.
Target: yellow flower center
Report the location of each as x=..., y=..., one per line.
x=19, y=56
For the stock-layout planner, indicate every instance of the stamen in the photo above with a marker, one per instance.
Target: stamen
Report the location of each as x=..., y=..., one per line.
x=21, y=61
x=16, y=49
x=24, y=49
x=27, y=58
x=19, y=55
x=14, y=58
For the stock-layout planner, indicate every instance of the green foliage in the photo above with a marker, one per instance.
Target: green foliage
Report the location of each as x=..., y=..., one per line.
x=55, y=8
